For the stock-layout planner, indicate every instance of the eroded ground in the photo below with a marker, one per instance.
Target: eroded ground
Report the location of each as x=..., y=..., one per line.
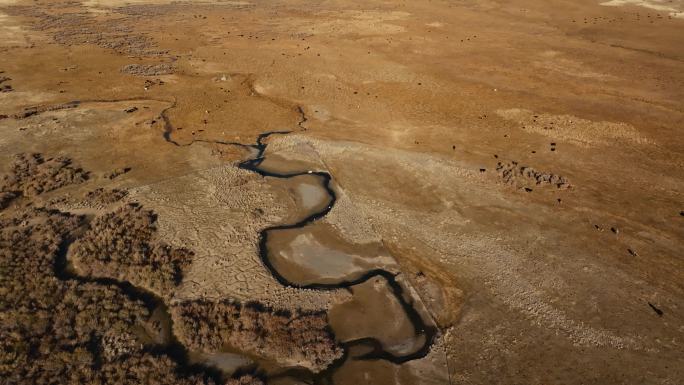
x=467, y=192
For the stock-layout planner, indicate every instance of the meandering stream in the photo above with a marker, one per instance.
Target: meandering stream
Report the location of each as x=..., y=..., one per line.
x=421, y=329
x=366, y=348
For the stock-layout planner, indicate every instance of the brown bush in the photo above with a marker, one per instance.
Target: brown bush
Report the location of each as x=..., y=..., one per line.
x=57, y=330
x=6, y=198
x=104, y=197
x=245, y=380
x=301, y=337
x=31, y=174
x=122, y=245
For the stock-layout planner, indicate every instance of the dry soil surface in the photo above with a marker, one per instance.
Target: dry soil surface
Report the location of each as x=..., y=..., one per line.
x=472, y=192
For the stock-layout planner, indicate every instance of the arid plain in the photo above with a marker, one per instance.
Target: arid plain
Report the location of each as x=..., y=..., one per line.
x=341, y=192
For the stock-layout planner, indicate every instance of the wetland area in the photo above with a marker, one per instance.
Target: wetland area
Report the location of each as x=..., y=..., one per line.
x=288, y=192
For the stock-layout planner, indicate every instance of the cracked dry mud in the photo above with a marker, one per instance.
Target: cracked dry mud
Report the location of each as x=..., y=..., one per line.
x=289, y=192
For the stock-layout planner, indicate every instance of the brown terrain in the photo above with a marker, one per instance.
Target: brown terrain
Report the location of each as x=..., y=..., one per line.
x=341, y=192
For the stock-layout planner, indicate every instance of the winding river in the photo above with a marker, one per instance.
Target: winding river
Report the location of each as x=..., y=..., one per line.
x=420, y=327
x=370, y=348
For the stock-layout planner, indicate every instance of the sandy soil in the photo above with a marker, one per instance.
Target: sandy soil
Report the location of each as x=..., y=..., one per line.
x=518, y=165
